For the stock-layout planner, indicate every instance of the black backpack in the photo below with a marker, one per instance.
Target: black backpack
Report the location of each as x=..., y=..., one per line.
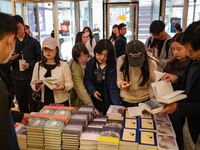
x=166, y=48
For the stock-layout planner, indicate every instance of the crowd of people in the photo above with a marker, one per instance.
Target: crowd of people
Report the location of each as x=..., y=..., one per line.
x=101, y=73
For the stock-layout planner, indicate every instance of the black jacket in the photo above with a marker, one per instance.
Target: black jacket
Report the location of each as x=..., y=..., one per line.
x=190, y=107
x=31, y=50
x=120, y=45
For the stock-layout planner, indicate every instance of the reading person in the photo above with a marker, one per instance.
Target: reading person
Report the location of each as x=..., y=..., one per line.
x=79, y=95
x=189, y=108
x=137, y=68
x=52, y=66
x=100, y=77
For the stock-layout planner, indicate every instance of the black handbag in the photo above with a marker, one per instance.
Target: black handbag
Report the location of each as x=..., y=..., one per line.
x=37, y=95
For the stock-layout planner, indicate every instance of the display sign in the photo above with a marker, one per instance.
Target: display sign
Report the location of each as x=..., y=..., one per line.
x=65, y=29
x=173, y=22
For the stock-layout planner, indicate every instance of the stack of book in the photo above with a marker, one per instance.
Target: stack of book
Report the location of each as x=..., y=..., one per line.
x=129, y=139
x=79, y=119
x=64, y=113
x=47, y=111
x=110, y=135
x=21, y=136
x=53, y=129
x=166, y=137
x=70, y=136
x=147, y=124
x=35, y=136
x=96, y=124
x=89, y=138
x=147, y=140
x=100, y=118
x=115, y=112
x=88, y=110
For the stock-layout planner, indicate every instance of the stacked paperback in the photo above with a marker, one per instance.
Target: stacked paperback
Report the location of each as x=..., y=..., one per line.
x=110, y=135
x=88, y=110
x=52, y=133
x=21, y=136
x=115, y=112
x=35, y=136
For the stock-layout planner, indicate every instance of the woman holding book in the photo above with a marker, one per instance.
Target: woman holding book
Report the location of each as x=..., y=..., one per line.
x=100, y=77
x=135, y=73
x=79, y=95
x=176, y=66
x=52, y=66
x=189, y=108
x=178, y=63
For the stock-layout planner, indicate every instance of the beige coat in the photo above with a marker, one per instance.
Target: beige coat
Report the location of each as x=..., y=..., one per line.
x=63, y=73
x=136, y=93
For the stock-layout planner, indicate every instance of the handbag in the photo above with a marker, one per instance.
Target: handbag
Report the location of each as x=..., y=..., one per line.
x=37, y=95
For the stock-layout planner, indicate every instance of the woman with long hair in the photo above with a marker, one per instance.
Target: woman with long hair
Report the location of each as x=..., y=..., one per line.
x=178, y=63
x=136, y=71
x=79, y=95
x=100, y=77
x=80, y=37
x=90, y=44
x=114, y=35
x=52, y=66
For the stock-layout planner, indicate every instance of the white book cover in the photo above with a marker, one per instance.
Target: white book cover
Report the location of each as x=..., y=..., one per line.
x=164, y=92
x=135, y=111
x=115, y=110
x=159, y=75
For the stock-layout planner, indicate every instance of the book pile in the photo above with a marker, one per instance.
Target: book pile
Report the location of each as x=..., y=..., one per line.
x=100, y=118
x=115, y=112
x=147, y=124
x=129, y=139
x=166, y=137
x=52, y=133
x=72, y=132
x=88, y=110
x=47, y=111
x=89, y=138
x=35, y=136
x=110, y=135
x=21, y=136
x=147, y=140
x=63, y=113
x=70, y=136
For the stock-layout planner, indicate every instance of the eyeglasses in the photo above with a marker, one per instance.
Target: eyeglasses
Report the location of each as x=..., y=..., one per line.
x=83, y=57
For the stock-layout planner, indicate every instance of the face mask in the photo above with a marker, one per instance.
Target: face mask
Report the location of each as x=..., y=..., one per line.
x=96, y=26
x=11, y=51
x=87, y=34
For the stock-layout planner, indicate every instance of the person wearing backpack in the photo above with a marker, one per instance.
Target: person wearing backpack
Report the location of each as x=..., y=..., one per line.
x=162, y=40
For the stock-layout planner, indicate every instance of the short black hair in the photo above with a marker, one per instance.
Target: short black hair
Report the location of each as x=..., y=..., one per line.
x=156, y=27
x=77, y=49
x=106, y=44
x=18, y=19
x=7, y=26
x=178, y=27
x=27, y=27
x=121, y=25
x=192, y=36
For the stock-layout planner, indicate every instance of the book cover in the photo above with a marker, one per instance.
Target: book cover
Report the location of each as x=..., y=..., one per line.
x=54, y=124
x=63, y=112
x=91, y=134
x=96, y=124
x=126, y=115
x=110, y=134
x=165, y=129
x=147, y=138
x=114, y=123
x=47, y=111
x=166, y=142
x=147, y=124
x=130, y=123
x=100, y=118
x=115, y=110
x=37, y=122
x=89, y=109
x=67, y=107
x=72, y=129
x=129, y=135
x=159, y=75
x=161, y=118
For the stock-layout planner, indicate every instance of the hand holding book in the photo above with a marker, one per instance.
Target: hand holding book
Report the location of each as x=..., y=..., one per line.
x=170, y=78
x=170, y=108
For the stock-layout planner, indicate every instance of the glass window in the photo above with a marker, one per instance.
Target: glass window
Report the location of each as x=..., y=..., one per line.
x=6, y=7
x=18, y=9
x=84, y=14
x=66, y=20
x=193, y=16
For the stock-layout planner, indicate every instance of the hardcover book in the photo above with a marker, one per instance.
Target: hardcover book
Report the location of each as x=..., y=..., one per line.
x=130, y=123
x=147, y=125
x=47, y=111
x=114, y=123
x=164, y=92
x=166, y=142
x=129, y=138
x=165, y=129
x=147, y=140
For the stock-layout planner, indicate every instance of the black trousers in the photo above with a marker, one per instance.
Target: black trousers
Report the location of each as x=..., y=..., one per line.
x=24, y=98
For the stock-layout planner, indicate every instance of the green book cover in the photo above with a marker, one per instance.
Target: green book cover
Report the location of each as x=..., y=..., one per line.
x=54, y=123
x=47, y=111
x=63, y=112
x=37, y=122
